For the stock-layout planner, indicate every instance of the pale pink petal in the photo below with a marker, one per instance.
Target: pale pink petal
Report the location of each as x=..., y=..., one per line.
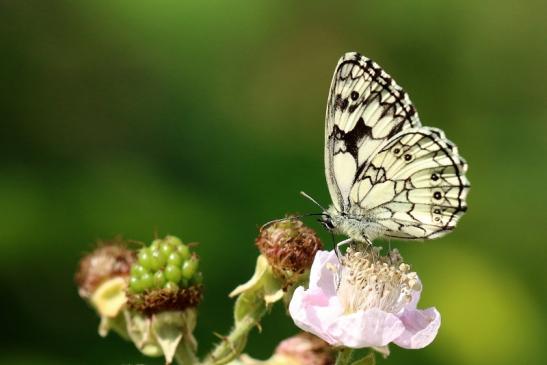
x=321, y=276
x=415, y=296
x=313, y=311
x=318, y=310
x=421, y=327
x=369, y=328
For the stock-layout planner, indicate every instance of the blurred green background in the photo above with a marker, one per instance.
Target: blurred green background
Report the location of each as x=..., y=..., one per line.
x=204, y=119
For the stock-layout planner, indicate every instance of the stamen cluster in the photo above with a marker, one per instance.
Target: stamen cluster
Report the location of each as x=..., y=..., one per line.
x=368, y=280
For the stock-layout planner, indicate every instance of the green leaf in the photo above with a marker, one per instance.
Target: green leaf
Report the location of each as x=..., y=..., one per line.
x=138, y=329
x=168, y=328
x=172, y=329
x=254, y=282
x=117, y=324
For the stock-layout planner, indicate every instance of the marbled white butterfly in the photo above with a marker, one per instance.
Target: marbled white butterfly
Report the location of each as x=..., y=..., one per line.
x=388, y=176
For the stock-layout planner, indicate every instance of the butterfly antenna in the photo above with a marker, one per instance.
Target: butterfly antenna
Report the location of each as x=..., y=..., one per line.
x=312, y=199
x=289, y=218
x=278, y=220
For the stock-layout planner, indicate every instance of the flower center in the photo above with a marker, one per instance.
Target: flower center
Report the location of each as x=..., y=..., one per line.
x=367, y=280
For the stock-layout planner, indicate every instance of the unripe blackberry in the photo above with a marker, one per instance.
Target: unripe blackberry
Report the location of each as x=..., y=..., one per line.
x=165, y=277
x=165, y=261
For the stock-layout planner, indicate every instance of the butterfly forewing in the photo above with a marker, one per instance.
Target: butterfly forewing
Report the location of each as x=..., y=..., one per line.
x=365, y=108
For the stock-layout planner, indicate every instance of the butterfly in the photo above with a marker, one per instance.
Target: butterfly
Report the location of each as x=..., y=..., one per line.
x=388, y=176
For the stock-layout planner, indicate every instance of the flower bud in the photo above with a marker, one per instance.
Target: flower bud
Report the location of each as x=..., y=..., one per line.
x=287, y=250
x=304, y=349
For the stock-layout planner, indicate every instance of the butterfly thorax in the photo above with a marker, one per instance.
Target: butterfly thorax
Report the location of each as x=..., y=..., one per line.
x=356, y=226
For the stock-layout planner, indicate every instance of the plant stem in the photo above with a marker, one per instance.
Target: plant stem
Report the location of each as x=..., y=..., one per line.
x=344, y=356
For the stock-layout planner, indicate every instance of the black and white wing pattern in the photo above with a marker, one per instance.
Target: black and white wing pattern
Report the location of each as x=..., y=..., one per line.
x=365, y=108
x=387, y=175
x=414, y=187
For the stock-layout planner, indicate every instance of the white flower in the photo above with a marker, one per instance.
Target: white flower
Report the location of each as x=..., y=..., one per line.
x=366, y=300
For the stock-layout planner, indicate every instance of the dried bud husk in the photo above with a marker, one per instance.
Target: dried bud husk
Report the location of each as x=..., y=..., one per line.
x=109, y=260
x=289, y=246
x=287, y=250
x=102, y=281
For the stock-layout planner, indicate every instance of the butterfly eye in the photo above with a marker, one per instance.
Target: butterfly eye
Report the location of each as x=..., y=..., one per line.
x=397, y=151
x=326, y=222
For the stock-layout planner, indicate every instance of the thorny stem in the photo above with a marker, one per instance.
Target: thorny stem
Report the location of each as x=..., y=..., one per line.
x=344, y=356
x=232, y=345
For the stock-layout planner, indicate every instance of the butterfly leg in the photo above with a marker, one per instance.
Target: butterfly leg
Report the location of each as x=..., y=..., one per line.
x=340, y=244
x=362, y=245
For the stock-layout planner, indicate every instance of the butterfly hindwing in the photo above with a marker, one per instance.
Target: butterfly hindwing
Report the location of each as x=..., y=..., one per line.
x=365, y=108
x=414, y=187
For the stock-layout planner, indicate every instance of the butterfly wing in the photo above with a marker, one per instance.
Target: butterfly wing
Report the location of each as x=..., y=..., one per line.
x=414, y=187
x=365, y=108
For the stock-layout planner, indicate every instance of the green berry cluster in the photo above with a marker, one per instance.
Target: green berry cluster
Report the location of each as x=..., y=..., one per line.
x=165, y=264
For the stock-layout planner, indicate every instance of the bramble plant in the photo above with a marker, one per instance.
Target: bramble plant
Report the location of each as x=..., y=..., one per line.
x=360, y=300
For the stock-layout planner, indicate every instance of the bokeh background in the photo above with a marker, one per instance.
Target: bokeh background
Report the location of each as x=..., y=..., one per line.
x=204, y=119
